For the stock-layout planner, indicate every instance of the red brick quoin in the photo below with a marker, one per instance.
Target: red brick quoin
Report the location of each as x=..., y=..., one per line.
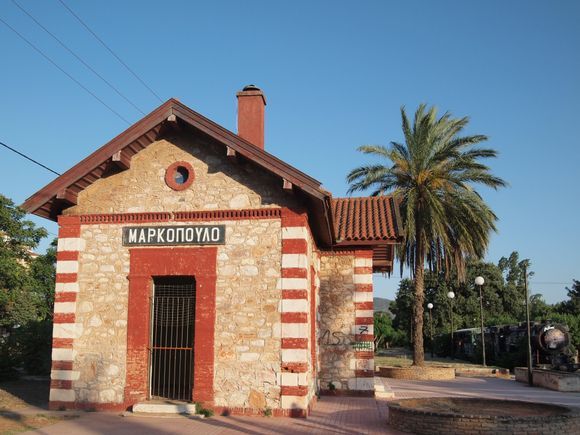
x=145, y=264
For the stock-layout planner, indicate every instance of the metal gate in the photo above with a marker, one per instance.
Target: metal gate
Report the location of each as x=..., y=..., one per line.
x=172, y=333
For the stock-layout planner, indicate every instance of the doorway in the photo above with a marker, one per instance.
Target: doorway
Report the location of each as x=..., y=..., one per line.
x=171, y=349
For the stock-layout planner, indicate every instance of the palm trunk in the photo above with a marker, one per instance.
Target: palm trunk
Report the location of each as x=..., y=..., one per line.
x=418, y=351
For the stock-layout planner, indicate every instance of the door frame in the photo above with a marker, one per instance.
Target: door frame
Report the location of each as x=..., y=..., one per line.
x=145, y=263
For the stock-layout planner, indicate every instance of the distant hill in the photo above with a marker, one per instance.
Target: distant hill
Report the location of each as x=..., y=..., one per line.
x=382, y=305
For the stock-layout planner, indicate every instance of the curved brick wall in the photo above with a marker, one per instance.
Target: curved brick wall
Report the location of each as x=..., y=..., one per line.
x=419, y=374
x=403, y=417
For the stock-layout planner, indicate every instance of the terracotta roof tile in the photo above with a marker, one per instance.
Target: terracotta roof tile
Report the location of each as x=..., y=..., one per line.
x=365, y=219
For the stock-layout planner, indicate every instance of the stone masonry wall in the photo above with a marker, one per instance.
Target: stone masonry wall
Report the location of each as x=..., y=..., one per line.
x=219, y=184
x=337, y=319
x=247, y=330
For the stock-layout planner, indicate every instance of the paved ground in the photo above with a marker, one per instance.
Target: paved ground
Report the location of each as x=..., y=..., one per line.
x=332, y=415
x=481, y=387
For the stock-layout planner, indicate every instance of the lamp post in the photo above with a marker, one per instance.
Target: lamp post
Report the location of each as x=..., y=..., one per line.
x=479, y=281
x=528, y=328
x=451, y=296
x=430, y=306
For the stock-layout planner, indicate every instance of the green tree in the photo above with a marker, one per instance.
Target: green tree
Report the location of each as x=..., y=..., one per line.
x=18, y=237
x=445, y=221
x=385, y=334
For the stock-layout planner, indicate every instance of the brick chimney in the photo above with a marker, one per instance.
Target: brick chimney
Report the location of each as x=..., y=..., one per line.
x=251, y=108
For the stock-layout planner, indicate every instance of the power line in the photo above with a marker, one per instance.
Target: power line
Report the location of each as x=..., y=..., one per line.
x=78, y=57
x=109, y=49
x=28, y=158
x=39, y=51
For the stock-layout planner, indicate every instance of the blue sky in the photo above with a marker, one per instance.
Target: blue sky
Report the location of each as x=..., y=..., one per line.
x=335, y=74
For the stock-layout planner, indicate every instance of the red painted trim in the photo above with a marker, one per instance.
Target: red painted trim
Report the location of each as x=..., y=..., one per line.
x=62, y=343
x=181, y=216
x=337, y=253
x=66, y=277
x=294, y=246
x=172, y=170
x=364, y=354
x=63, y=318
x=65, y=297
x=62, y=365
x=67, y=256
x=294, y=272
x=313, y=291
x=364, y=337
x=364, y=373
x=69, y=232
x=363, y=287
x=364, y=253
x=294, y=294
x=364, y=305
x=68, y=220
x=295, y=367
x=294, y=343
x=291, y=218
x=244, y=214
x=363, y=270
x=294, y=317
x=69, y=226
x=301, y=390
x=146, y=263
x=363, y=320
x=60, y=384
x=87, y=406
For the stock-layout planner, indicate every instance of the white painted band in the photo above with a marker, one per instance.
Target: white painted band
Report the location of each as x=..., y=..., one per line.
x=363, y=262
x=58, y=395
x=366, y=278
x=67, y=287
x=294, y=402
x=65, y=375
x=292, y=284
x=362, y=364
x=59, y=354
x=294, y=306
x=294, y=330
x=363, y=296
x=67, y=330
x=364, y=384
x=293, y=379
x=65, y=307
x=71, y=244
x=363, y=329
x=364, y=313
x=294, y=355
x=295, y=260
x=67, y=266
x=294, y=233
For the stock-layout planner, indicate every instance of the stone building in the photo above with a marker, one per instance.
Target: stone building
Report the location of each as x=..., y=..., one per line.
x=193, y=265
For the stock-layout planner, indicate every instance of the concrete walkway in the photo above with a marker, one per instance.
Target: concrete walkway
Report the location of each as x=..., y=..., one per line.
x=331, y=415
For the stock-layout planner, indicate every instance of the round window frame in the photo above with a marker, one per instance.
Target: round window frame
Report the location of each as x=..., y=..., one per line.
x=172, y=170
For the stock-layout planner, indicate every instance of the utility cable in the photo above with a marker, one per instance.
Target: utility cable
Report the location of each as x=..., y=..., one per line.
x=109, y=49
x=28, y=158
x=39, y=51
x=63, y=45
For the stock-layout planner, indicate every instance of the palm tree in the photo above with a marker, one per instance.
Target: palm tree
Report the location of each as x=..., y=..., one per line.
x=432, y=175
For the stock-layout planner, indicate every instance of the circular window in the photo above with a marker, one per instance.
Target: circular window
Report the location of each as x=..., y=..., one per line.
x=179, y=175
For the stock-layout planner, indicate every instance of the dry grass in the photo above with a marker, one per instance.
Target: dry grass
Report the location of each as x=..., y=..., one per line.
x=404, y=358
x=13, y=422
x=18, y=395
